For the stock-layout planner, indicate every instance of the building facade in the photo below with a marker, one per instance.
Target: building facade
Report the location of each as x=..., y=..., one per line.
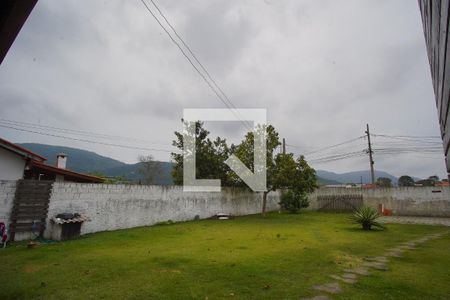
x=435, y=19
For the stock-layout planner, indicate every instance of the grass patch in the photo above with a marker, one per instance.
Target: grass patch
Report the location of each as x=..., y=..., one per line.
x=277, y=257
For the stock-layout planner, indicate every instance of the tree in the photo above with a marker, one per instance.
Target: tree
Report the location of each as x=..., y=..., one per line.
x=406, y=180
x=298, y=177
x=383, y=182
x=425, y=182
x=110, y=179
x=210, y=157
x=245, y=152
x=293, y=201
x=434, y=178
x=149, y=168
x=283, y=171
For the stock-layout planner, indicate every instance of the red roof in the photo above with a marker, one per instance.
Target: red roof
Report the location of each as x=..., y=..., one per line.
x=38, y=162
x=20, y=150
x=65, y=172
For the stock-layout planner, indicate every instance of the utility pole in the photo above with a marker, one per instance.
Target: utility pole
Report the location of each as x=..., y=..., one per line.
x=284, y=146
x=372, y=173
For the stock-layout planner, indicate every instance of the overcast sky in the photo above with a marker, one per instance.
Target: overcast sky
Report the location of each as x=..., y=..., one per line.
x=323, y=69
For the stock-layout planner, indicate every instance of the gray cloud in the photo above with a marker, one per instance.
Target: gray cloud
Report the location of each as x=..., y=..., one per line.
x=323, y=69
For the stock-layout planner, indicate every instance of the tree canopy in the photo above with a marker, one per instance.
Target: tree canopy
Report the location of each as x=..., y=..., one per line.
x=406, y=180
x=383, y=182
x=148, y=168
x=283, y=171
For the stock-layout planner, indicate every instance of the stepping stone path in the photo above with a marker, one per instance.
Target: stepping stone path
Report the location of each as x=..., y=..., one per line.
x=397, y=253
x=350, y=276
x=332, y=287
x=380, y=259
x=344, y=279
x=376, y=265
x=359, y=271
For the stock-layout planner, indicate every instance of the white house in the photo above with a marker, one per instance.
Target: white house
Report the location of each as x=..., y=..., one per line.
x=17, y=163
x=14, y=159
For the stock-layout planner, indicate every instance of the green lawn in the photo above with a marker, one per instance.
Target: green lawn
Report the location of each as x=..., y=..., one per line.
x=277, y=257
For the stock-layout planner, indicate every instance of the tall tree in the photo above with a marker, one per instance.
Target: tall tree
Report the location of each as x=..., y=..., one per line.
x=245, y=152
x=210, y=156
x=149, y=168
x=406, y=180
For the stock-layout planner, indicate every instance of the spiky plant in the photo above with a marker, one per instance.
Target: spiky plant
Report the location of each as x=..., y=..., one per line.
x=367, y=217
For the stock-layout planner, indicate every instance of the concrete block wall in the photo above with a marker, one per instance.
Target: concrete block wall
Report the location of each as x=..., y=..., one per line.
x=405, y=201
x=7, y=192
x=112, y=207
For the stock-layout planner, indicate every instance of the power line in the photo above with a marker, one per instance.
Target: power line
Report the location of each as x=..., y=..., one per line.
x=411, y=136
x=298, y=147
x=195, y=58
x=423, y=140
x=338, y=156
x=189, y=60
x=85, y=140
x=385, y=151
x=334, y=146
x=71, y=131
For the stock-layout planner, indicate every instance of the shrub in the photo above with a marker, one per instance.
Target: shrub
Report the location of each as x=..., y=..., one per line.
x=293, y=201
x=366, y=216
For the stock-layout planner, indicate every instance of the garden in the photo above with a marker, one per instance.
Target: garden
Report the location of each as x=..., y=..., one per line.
x=280, y=256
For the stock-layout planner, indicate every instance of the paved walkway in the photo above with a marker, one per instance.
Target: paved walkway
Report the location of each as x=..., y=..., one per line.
x=415, y=220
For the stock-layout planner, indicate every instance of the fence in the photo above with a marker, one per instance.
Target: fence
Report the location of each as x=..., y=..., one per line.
x=405, y=201
x=339, y=202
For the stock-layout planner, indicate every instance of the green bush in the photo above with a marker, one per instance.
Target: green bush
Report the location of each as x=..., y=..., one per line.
x=293, y=201
x=366, y=216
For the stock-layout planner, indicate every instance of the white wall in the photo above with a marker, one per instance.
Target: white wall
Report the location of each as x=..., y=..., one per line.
x=113, y=207
x=7, y=192
x=12, y=165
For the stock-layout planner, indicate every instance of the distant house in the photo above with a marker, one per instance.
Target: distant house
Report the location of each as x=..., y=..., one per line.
x=17, y=162
x=441, y=183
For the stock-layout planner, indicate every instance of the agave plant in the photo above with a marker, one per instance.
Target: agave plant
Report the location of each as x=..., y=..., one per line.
x=366, y=216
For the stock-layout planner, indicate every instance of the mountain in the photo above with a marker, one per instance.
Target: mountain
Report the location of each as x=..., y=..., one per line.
x=83, y=161
x=324, y=181
x=77, y=159
x=131, y=172
x=354, y=177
